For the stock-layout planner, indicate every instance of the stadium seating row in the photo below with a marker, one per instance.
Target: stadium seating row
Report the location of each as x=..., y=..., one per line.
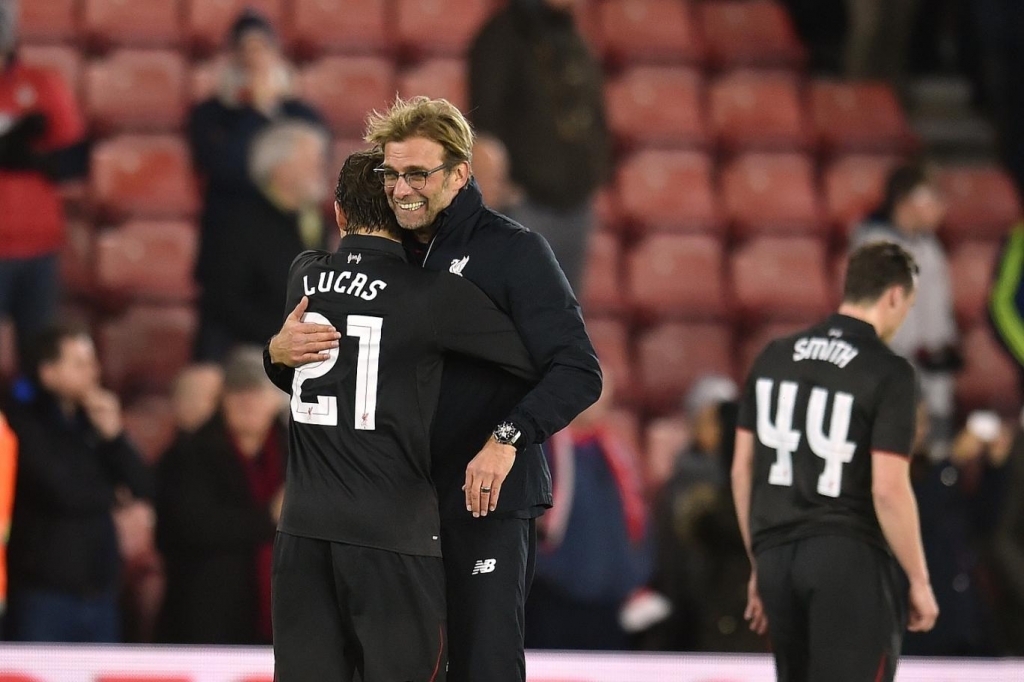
x=720, y=34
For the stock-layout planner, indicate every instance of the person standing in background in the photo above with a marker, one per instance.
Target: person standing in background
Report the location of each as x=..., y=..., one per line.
x=64, y=558
x=911, y=212
x=42, y=143
x=255, y=90
x=535, y=85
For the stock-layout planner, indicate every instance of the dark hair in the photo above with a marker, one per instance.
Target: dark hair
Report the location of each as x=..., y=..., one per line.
x=901, y=184
x=250, y=20
x=360, y=195
x=874, y=268
x=46, y=346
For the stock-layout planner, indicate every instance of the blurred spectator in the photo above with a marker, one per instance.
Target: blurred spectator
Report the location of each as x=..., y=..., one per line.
x=878, y=42
x=195, y=395
x=73, y=456
x=41, y=144
x=822, y=26
x=536, y=87
x=594, y=548
x=8, y=458
x=490, y=168
x=255, y=90
x=242, y=301
x=1006, y=300
x=219, y=499
x=959, y=501
x=910, y=214
x=701, y=561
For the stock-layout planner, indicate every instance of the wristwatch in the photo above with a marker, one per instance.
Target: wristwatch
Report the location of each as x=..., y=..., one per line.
x=507, y=433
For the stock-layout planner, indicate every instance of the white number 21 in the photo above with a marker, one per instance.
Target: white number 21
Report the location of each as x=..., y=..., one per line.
x=325, y=410
x=780, y=435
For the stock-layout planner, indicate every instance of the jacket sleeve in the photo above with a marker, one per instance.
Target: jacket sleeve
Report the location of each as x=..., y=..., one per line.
x=127, y=467
x=550, y=322
x=1004, y=309
x=466, y=321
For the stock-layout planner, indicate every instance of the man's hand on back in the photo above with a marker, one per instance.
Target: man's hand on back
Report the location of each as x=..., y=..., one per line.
x=485, y=474
x=299, y=343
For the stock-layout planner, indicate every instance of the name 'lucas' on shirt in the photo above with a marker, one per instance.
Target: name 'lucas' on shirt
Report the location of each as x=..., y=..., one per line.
x=344, y=282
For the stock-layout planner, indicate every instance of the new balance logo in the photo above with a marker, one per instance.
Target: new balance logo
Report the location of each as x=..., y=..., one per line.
x=484, y=566
x=357, y=257
x=458, y=265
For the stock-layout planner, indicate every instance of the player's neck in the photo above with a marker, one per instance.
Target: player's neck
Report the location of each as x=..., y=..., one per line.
x=864, y=314
x=362, y=231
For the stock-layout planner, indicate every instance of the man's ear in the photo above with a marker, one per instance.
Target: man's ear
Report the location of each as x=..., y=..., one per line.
x=339, y=217
x=462, y=174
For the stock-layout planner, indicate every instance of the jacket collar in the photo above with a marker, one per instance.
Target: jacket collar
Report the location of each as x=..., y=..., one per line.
x=460, y=216
x=368, y=242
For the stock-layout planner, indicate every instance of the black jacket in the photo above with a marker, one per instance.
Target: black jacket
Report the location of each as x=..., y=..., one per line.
x=516, y=269
x=535, y=86
x=208, y=530
x=245, y=293
x=62, y=532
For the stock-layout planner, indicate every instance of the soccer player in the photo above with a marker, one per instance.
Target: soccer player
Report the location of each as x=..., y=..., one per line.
x=358, y=582
x=822, y=488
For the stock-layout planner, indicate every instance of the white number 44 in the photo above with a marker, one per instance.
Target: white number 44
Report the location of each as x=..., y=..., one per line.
x=779, y=434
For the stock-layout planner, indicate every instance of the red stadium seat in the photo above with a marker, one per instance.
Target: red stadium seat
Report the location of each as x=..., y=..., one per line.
x=67, y=61
x=664, y=190
x=781, y=278
x=437, y=78
x=649, y=31
x=346, y=89
x=854, y=186
x=151, y=260
x=677, y=276
x=758, y=111
x=207, y=22
x=989, y=379
x=660, y=106
x=137, y=90
x=602, y=277
x=203, y=80
x=672, y=355
x=76, y=260
x=610, y=337
x=146, y=347
x=859, y=117
x=44, y=21
x=149, y=422
x=317, y=26
x=749, y=33
x=971, y=268
x=143, y=175
x=146, y=23
x=440, y=27
x=340, y=151
x=983, y=202
x=772, y=194
x=753, y=342
x=607, y=213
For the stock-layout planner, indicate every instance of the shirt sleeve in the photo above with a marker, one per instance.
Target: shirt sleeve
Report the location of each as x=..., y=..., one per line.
x=65, y=124
x=896, y=418
x=467, y=322
x=550, y=322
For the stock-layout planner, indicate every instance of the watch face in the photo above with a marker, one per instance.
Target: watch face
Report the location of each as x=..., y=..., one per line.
x=505, y=433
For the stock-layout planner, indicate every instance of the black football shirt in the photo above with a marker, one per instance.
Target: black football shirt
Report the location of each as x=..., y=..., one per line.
x=818, y=403
x=359, y=459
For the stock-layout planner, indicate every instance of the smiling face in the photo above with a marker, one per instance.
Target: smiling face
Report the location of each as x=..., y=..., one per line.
x=415, y=209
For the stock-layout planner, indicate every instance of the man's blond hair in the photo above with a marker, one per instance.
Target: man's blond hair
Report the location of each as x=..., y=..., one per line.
x=435, y=119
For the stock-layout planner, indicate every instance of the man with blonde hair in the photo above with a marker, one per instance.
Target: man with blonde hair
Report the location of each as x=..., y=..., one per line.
x=490, y=473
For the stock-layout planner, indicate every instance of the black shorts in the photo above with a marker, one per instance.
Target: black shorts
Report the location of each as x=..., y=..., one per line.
x=836, y=609
x=343, y=610
x=489, y=566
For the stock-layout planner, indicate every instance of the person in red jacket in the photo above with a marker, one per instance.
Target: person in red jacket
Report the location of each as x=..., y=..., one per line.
x=41, y=144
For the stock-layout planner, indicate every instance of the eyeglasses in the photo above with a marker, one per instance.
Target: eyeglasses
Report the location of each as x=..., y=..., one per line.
x=415, y=179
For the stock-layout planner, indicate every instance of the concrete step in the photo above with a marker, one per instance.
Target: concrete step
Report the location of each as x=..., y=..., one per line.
x=938, y=96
